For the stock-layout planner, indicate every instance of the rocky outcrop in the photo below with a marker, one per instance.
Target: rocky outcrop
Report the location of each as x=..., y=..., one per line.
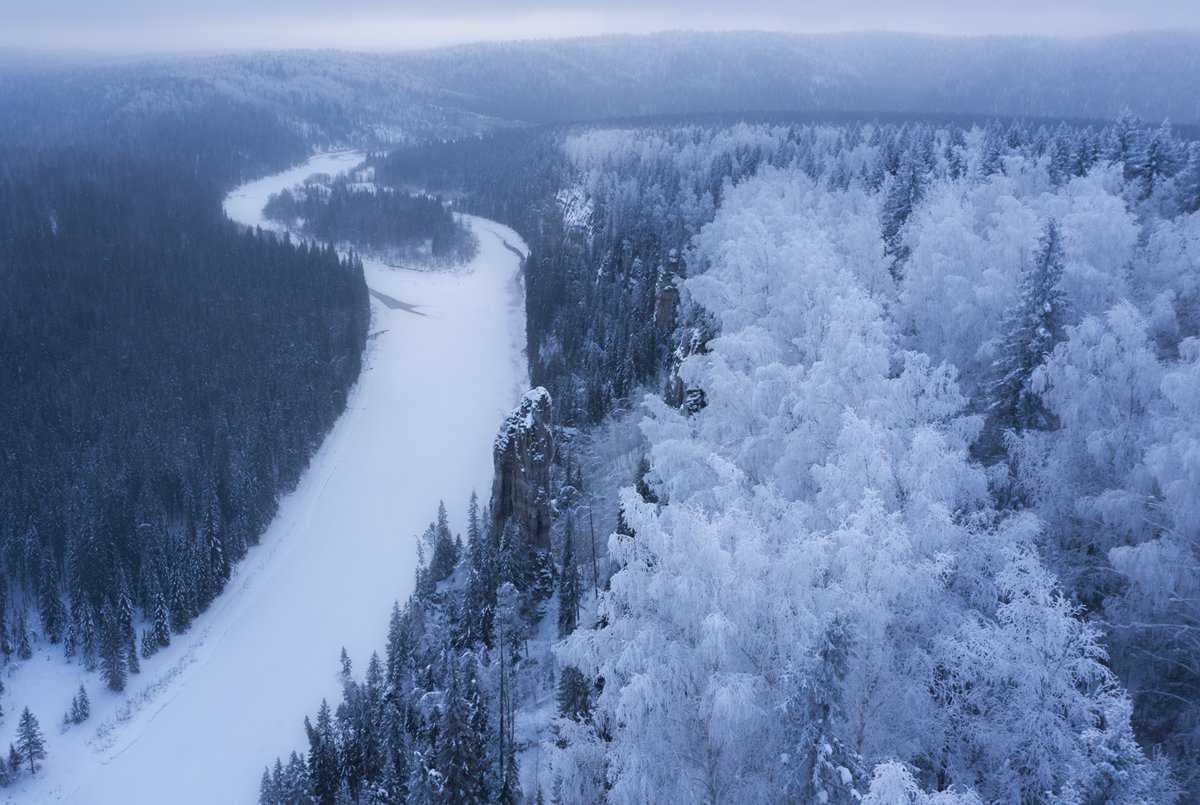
x=523, y=453
x=666, y=293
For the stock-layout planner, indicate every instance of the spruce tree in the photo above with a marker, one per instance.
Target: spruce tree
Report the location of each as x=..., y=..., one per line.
x=31, y=746
x=112, y=650
x=445, y=551
x=131, y=653
x=297, y=788
x=460, y=752
x=1189, y=183
x=573, y=693
x=1031, y=330
x=161, y=630
x=510, y=782
x=992, y=158
x=569, y=586
x=324, y=778
x=24, y=649
x=1157, y=159
x=14, y=760
x=54, y=616
x=266, y=789
x=820, y=766
x=399, y=648
x=902, y=198
x=480, y=597
x=81, y=707
x=149, y=645
x=5, y=642
x=396, y=751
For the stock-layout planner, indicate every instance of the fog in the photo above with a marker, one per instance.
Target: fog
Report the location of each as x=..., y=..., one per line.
x=149, y=26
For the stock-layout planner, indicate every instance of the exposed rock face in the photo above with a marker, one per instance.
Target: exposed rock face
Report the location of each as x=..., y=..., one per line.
x=666, y=302
x=523, y=453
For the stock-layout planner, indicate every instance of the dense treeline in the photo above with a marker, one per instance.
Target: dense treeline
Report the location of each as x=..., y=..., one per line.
x=166, y=377
x=591, y=329
x=434, y=721
x=382, y=221
x=215, y=139
x=929, y=388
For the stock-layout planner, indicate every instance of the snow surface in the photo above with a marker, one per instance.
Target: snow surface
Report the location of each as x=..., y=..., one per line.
x=206, y=714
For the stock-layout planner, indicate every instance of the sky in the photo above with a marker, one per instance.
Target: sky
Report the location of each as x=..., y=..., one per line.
x=180, y=25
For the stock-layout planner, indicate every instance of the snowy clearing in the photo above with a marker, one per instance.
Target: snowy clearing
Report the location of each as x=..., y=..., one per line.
x=205, y=714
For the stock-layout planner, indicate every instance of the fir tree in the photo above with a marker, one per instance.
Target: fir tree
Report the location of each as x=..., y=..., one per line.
x=445, y=551
x=480, y=597
x=149, y=644
x=5, y=642
x=323, y=775
x=399, y=647
x=820, y=766
x=131, y=653
x=510, y=783
x=1031, y=329
x=573, y=693
x=266, y=789
x=81, y=708
x=24, y=649
x=569, y=586
x=161, y=630
x=31, y=746
x=347, y=668
x=87, y=635
x=992, y=158
x=1157, y=160
x=50, y=603
x=460, y=753
x=296, y=787
x=1189, y=182
x=902, y=197
x=112, y=651
x=14, y=761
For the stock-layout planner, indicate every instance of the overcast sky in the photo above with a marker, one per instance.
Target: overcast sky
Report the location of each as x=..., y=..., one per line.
x=164, y=25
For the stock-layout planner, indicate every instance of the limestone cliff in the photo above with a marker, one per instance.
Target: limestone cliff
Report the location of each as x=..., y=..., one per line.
x=523, y=453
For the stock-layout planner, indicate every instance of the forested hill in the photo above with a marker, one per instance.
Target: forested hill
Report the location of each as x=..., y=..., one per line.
x=260, y=108
x=617, y=76
x=166, y=375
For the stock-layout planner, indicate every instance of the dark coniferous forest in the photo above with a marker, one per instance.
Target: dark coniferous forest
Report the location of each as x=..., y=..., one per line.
x=170, y=374
x=385, y=222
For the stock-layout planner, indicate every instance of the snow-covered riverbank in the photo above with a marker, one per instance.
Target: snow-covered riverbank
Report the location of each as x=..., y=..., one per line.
x=205, y=715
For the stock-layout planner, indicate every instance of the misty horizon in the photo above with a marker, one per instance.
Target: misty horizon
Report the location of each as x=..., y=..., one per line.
x=140, y=28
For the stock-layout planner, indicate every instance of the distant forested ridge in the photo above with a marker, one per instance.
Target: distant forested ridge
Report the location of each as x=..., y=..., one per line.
x=327, y=98
x=166, y=377
x=391, y=223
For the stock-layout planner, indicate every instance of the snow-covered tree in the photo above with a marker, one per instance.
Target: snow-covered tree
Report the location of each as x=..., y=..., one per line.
x=31, y=746
x=1030, y=331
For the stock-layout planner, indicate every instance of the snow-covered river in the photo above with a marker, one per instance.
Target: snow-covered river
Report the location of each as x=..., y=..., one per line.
x=205, y=715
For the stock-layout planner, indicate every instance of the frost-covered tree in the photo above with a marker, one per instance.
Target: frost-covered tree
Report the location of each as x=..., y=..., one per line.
x=461, y=757
x=1030, y=331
